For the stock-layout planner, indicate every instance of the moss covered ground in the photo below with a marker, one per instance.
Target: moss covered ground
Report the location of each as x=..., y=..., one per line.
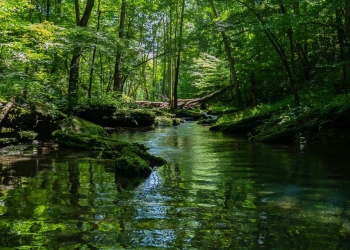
x=325, y=121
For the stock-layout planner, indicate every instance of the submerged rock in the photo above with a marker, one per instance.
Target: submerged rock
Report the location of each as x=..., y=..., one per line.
x=131, y=159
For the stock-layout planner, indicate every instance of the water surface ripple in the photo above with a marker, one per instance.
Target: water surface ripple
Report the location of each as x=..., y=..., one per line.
x=217, y=192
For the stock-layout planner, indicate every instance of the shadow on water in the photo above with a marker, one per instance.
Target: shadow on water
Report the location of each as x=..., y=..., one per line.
x=217, y=192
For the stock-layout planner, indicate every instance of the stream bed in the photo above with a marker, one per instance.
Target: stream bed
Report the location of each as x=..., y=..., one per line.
x=217, y=191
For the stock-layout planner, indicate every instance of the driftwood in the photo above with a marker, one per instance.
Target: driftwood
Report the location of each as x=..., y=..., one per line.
x=7, y=108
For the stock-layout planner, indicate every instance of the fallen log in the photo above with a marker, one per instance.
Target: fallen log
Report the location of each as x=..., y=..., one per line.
x=183, y=103
x=7, y=108
x=201, y=100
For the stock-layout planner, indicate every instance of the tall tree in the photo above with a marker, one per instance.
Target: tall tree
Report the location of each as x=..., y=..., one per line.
x=94, y=50
x=178, y=59
x=73, y=86
x=117, y=78
x=230, y=59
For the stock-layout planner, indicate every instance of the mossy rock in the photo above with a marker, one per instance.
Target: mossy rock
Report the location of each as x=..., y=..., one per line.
x=27, y=135
x=79, y=125
x=176, y=121
x=207, y=121
x=33, y=116
x=131, y=159
x=130, y=163
x=243, y=125
x=164, y=121
x=109, y=116
x=85, y=141
x=7, y=141
x=134, y=118
x=188, y=114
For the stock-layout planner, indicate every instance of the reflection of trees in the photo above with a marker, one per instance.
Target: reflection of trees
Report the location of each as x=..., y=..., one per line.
x=216, y=193
x=74, y=184
x=72, y=205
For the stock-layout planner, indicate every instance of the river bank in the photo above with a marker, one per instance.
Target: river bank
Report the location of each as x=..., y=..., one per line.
x=324, y=122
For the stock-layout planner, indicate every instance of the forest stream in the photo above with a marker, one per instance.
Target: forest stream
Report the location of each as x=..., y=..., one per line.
x=218, y=191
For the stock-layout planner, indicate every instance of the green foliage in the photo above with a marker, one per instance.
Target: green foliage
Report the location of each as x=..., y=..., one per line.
x=209, y=73
x=221, y=109
x=283, y=122
x=267, y=39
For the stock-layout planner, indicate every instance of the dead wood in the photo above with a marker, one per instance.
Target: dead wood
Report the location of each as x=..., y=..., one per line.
x=7, y=108
x=182, y=103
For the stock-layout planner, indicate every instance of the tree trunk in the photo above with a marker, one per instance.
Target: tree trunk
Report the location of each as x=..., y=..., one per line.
x=94, y=51
x=177, y=68
x=253, y=89
x=230, y=60
x=48, y=6
x=170, y=63
x=73, y=85
x=293, y=81
x=279, y=49
x=341, y=41
x=117, y=79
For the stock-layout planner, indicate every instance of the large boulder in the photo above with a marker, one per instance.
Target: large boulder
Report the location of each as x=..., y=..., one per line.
x=109, y=116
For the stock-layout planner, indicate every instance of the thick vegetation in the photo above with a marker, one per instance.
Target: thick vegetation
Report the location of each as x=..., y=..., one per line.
x=258, y=56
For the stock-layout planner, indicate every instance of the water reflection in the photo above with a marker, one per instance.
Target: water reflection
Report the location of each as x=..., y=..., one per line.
x=217, y=192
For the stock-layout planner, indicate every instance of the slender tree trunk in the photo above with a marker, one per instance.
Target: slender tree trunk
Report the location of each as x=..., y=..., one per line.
x=341, y=42
x=144, y=80
x=73, y=85
x=94, y=51
x=117, y=79
x=48, y=6
x=170, y=62
x=292, y=61
x=165, y=59
x=230, y=59
x=253, y=89
x=280, y=51
x=177, y=68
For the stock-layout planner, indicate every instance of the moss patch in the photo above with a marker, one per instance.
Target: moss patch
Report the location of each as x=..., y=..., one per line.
x=321, y=123
x=79, y=125
x=164, y=121
x=7, y=141
x=131, y=159
x=190, y=114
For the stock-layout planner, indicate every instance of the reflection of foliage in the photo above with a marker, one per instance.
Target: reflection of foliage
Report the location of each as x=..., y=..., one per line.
x=43, y=213
x=231, y=196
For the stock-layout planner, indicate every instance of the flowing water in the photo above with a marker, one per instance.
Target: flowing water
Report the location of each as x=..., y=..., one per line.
x=217, y=192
